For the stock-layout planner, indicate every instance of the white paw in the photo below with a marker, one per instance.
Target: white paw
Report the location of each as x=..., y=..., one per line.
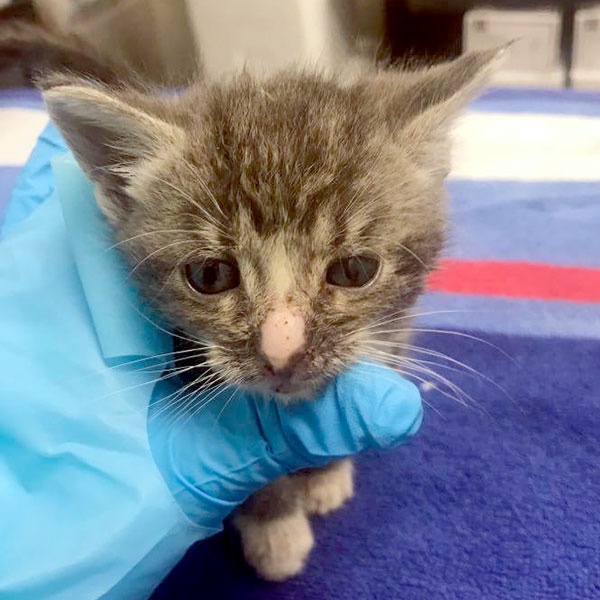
x=276, y=548
x=328, y=490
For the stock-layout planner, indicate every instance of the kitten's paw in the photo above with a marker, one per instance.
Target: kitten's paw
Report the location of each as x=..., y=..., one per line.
x=327, y=490
x=276, y=548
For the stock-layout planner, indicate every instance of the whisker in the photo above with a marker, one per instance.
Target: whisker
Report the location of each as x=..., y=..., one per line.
x=465, y=368
x=219, y=226
x=212, y=394
x=456, y=333
x=138, y=385
x=407, y=369
x=153, y=369
x=386, y=319
x=469, y=370
x=230, y=399
x=209, y=193
x=427, y=351
x=154, y=232
x=179, y=395
x=148, y=256
x=403, y=246
x=404, y=360
x=390, y=380
x=474, y=338
x=413, y=254
x=170, y=333
x=153, y=357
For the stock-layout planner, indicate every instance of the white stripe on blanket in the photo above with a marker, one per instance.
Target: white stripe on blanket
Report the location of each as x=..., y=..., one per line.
x=521, y=147
x=501, y=146
x=19, y=130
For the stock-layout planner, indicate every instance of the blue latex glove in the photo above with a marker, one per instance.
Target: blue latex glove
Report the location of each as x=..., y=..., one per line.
x=97, y=500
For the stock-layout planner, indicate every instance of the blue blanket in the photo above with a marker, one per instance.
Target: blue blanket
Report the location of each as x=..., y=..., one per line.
x=498, y=499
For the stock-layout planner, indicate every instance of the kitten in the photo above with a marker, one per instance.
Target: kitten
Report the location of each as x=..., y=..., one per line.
x=282, y=225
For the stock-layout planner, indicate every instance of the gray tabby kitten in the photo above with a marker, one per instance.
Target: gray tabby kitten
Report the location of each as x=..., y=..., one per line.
x=280, y=225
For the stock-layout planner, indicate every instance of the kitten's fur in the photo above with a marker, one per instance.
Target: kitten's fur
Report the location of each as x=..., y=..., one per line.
x=284, y=174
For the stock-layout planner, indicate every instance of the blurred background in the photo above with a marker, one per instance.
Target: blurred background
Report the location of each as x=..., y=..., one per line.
x=558, y=42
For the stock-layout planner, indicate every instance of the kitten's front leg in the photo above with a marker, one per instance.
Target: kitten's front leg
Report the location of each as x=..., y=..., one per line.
x=328, y=488
x=275, y=531
x=274, y=526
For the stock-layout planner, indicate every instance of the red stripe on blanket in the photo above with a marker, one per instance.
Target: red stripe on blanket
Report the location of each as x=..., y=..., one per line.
x=517, y=280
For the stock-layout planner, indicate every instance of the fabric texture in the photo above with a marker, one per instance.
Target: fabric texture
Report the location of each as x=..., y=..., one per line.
x=498, y=500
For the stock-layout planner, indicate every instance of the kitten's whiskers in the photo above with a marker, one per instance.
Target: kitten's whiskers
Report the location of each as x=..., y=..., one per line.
x=153, y=232
x=161, y=249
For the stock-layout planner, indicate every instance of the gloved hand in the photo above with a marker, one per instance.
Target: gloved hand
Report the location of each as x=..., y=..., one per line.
x=237, y=443
x=101, y=495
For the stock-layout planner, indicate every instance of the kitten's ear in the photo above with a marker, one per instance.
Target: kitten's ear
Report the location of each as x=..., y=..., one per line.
x=445, y=88
x=424, y=104
x=108, y=136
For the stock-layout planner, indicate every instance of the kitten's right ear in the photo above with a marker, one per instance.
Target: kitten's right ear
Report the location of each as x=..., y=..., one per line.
x=109, y=137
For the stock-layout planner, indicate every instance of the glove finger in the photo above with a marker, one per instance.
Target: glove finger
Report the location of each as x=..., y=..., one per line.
x=367, y=407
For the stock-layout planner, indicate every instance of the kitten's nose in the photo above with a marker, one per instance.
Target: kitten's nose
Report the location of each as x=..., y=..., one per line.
x=282, y=335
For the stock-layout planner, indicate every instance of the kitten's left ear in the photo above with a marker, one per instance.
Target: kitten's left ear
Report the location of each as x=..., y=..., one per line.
x=422, y=105
x=109, y=135
x=444, y=89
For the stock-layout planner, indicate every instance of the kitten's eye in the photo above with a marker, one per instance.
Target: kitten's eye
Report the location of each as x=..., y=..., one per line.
x=212, y=276
x=352, y=271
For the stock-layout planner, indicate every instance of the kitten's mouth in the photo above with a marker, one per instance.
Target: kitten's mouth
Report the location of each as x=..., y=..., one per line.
x=289, y=390
x=286, y=385
x=297, y=381
x=290, y=383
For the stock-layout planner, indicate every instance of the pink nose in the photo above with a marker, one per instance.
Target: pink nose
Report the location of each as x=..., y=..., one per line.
x=282, y=335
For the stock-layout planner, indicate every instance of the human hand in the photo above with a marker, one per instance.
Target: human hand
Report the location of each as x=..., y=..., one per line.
x=236, y=443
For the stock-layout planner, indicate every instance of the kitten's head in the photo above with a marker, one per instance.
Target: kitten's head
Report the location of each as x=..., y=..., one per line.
x=277, y=221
